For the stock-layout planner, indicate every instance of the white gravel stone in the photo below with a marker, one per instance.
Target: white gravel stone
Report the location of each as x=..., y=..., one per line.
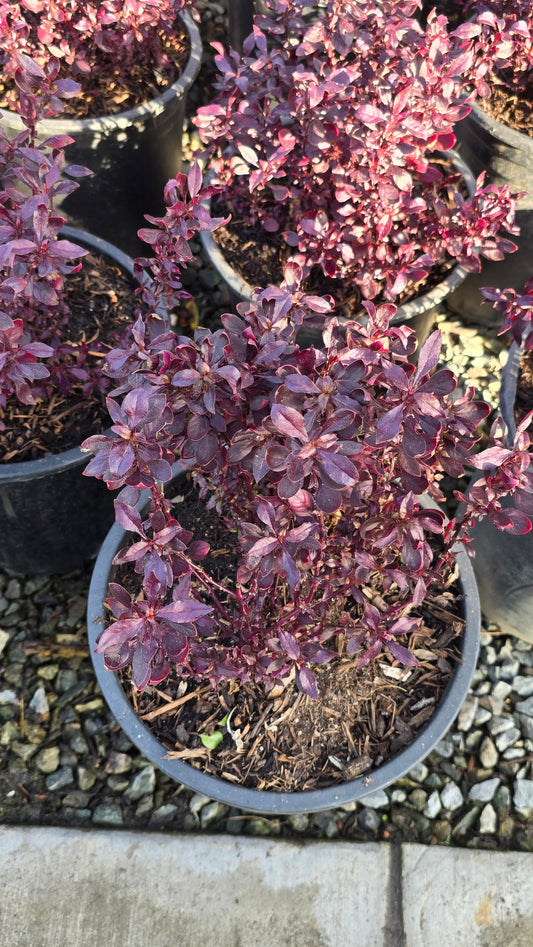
x=488, y=821
x=488, y=754
x=418, y=773
x=444, y=748
x=197, y=802
x=451, y=797
x=433, y=806
x=525, y=707
x=523, y=686
x=4, y=638
x=8, y=697
x=523, y=794
x=39, y=703
x=507, y=738
x=483, y=716
x=499, y=725
x=467, y=713
x=484, y=792
x=501, y=690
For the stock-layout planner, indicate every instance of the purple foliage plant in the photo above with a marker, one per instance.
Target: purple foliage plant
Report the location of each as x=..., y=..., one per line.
x=327, y=133
x=107, y=41
x=314, y=459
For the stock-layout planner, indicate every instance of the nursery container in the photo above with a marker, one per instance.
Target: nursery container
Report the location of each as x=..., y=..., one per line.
x=268, y=802
x=51, y=517
x=507, y=157
x=132, y=155
x=503, y=564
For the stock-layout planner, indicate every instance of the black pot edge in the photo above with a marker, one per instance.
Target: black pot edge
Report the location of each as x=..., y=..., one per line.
x=275, y=803
x=506, y=134
x=508, y=385
x=46, y=466
x=244, y=291
x=107, y=123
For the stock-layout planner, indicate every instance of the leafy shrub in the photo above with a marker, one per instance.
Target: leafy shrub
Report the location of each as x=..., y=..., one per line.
x=314, y=459
x=106, y=41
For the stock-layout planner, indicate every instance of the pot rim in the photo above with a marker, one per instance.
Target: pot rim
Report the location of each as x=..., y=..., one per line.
x=53, y=463
x=414, y=307
x=106, y=124
x=266, y=801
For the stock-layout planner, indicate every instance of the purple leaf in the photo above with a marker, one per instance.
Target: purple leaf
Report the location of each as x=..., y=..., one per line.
x=289, y=422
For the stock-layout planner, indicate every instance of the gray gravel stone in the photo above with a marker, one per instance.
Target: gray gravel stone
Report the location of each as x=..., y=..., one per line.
x=106, y=814
x=118, y=763
x=451, y=797
x=48, y=759
x=8, y=697
x=369, y=820
x=299, y=822
x=376, y=800
x=509, y=670
x=484, y=792
x=198, y=801
x=62, y=778
x=444, y=748
x=142, y=784
x=482, y=716
x=211, y=812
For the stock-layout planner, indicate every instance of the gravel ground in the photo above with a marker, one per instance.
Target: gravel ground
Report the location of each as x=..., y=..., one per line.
x=64, y=761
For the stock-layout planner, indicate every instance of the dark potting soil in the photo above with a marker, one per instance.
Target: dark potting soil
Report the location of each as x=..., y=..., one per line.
x=101, y=300
x=285, y=741
x=141, y=83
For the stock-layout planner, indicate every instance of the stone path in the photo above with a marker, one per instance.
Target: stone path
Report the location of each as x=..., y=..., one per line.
x=70, y=888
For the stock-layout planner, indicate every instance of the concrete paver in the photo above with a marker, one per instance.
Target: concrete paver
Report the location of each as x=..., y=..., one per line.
x=467, y=898
x=70, y=888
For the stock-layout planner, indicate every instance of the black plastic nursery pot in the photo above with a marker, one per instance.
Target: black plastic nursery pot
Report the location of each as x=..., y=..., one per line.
x=503, y=564
x=507, y=157
x=132, y=155
x=268, y=802
x=52, y=518
x=419, y=313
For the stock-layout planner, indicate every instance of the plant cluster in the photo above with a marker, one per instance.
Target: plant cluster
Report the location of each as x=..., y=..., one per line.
x=516, y=309
x=313, y=458
x=327, y=133
x=37, y=355
x=102, y=40
x=34, y=260
x=505, y=41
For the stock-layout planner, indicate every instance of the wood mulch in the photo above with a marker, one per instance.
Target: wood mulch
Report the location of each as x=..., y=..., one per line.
x=285, y=741
x=100, y=97
x=101, y=300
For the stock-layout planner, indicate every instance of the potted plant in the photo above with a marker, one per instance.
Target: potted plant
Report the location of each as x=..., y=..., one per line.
x=327, y=140
x=497, y=135
x=135, y=63
x=57, y=318
x=310, y=464
x=503, y=563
